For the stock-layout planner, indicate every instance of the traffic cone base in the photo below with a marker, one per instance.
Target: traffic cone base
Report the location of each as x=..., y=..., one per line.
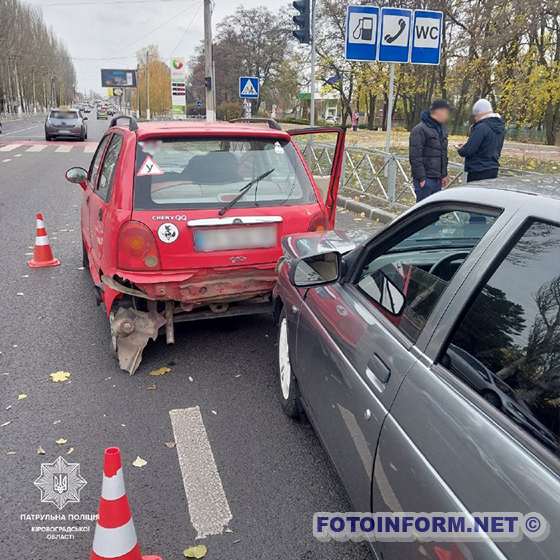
x=115, y=536
x=43, y=264
x=42, y=253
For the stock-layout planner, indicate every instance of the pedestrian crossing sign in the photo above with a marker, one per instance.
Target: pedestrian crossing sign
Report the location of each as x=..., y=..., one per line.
x=249, y=87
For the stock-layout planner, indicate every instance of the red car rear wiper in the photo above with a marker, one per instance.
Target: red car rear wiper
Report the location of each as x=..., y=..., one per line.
x=242, y=191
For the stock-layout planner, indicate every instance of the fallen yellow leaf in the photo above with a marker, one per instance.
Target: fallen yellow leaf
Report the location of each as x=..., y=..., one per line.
x=40, y=451
x=159, y=371
x=59, y=376
x=198, y=551
x=71, y=450
x=21, y=397
x=61, y=441
x=139, y=462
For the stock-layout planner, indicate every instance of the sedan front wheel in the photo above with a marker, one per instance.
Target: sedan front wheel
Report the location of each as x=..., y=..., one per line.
x=287, y=383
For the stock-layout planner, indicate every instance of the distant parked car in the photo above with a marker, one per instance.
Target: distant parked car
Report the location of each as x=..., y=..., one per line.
x=332, y=119
x=65, y=123
x=427, y=359
x=102, y=113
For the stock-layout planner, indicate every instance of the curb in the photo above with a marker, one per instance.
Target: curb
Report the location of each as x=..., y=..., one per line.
x=362, y=208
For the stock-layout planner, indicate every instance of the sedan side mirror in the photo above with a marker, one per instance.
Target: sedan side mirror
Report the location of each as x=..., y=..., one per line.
x=77, y=175
x=316, y=270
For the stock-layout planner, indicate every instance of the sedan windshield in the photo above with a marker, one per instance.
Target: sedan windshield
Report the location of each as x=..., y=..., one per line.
x=209, y=173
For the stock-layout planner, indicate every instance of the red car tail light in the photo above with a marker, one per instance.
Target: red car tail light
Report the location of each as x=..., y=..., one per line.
x=137, y=249
x=319, y=222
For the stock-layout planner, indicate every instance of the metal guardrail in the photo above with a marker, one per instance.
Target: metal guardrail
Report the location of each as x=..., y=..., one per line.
x=377, y=175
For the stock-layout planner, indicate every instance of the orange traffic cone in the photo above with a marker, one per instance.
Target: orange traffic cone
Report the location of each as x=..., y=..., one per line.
x=42, y=253
x=115, y=536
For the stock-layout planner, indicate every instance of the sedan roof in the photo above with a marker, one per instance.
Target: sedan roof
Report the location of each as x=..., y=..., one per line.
x=536, y=185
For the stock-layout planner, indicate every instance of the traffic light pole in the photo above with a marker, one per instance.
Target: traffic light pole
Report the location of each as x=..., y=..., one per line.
x=312, y=106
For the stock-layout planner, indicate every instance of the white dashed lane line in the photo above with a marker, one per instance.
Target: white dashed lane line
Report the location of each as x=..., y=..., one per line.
x=208, y=507
x=64, y=149
x=11, y=132
x=90, y=148
x=6, y=160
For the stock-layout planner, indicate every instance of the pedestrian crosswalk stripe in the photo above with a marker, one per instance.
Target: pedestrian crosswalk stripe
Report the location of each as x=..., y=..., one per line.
x=37, y=147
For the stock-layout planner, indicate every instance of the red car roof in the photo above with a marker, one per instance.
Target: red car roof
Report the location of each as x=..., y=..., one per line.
x=203, y=128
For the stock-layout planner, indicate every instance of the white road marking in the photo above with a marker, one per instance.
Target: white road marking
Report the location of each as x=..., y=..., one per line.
x=64, y=149
x=36, y=148
x=207, y=503
x=9, y=133
x=17, y=155
x=89, y=149
x=9, y=147
x=6, y=160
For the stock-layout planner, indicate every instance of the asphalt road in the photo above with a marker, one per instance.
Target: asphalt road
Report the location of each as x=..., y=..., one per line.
x=274, y=473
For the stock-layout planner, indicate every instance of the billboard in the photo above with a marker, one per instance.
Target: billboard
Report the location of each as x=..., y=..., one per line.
x=178, y=69
x=111, y=77
x=178, y=87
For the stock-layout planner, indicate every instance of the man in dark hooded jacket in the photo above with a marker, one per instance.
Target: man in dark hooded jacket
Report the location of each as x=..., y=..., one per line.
x=483, y=149
x=428, y=151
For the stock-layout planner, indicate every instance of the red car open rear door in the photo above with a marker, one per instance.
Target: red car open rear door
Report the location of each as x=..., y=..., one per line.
x=319, y=155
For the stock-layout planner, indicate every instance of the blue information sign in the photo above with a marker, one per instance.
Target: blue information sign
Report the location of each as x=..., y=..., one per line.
x=394, y=34
x=361, y=33
x=426, y=37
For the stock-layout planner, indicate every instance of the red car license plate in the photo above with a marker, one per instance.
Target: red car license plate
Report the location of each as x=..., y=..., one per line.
x=231, y=238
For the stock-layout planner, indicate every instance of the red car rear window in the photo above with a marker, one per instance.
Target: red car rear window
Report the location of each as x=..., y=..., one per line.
x=209, y=172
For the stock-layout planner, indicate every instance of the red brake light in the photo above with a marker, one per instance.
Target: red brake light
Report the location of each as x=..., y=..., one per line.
x=319, y=222
x=137, y=248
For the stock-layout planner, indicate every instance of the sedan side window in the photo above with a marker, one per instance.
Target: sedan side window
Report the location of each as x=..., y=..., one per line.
x=96, y=161
x=407, y=279
x=507, y=345
x=108, y=167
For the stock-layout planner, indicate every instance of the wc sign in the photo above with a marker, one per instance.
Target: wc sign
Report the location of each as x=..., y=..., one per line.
x=397, y=35
x=426, y=37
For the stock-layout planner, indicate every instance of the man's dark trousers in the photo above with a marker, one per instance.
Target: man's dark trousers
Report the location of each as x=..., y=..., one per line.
x=431, y=186
x=481, y=175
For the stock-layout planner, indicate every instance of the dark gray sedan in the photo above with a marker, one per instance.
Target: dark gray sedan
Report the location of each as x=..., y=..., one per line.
x=65, y=123
x=427, y=359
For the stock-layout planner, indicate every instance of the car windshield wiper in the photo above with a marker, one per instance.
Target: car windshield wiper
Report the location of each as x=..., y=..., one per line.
x=242, y=192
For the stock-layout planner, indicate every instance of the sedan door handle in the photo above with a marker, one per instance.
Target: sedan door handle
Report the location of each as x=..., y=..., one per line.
x=379, y=368
x=100, y=214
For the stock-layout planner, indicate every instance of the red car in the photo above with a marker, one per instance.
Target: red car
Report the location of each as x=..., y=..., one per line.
x=183, y=221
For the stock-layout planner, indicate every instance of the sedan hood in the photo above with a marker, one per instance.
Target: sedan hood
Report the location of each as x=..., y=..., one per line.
x=305, y=244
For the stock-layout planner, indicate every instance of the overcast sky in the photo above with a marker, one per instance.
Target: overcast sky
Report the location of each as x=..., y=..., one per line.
x=107, y=33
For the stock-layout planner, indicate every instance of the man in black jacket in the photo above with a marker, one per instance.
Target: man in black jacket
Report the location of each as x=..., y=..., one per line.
x=483, y=149
x=428, y=151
